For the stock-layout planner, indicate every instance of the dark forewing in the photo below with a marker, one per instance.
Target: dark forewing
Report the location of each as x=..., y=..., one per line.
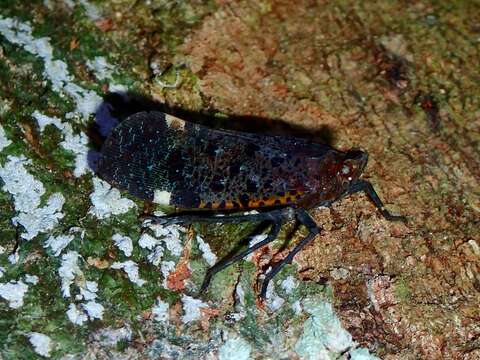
x=134, y=155
x=201, y=167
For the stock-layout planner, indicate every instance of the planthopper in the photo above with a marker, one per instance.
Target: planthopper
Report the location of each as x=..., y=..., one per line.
x=201, y=172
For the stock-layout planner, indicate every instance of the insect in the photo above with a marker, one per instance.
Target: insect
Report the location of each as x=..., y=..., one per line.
x=193, y=168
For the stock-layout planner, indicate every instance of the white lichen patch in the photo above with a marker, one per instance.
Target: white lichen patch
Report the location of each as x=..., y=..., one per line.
x=27, y=193
x=207, y=253
x=339, y=273
x=131, y=269
x=155, y=257
x=4, y=141
x=253, y=241
x=240, y=295
x=107, y=201
x=70, y=273
x=272, y=299
x=118, y=88
x=289, y=284
x=173, y=241
x=162, y=197
x=165, y=238
x=94, y=310
x=362, y=354
x=13, y=292
x=76, y=316
x=77, y=230
x=42, y=344
x=68, y=270
x=297, y=307
x=170, y=236
x=56, y=71
x=92, y=11
x=160, y=311
x=322, y=332
x=159, y=213
x=147, y=241
x=101, y=68
x=14, y=257
x=474, y=246
x=42, y=219
x=88, y=291
x=43, y=121
x=235, y=349
x=171, y=231
x=166, y=267
x=58, y=243
x=76, y=143
x=26, y=190
x=110, y=337
x=31, y=279
x=124, y=243
x=79, y=314
x=191, y=309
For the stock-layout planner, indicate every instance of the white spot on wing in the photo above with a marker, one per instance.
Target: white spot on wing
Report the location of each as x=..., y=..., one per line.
x=174, y=122
x=162, y=197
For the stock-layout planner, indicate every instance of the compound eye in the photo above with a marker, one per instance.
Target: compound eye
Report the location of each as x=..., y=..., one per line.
x=347, y=172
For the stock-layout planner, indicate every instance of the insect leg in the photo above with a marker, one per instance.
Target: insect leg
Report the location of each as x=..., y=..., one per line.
x=225, y=262
x=313, y=229
x=272, y=215
x=362, y=185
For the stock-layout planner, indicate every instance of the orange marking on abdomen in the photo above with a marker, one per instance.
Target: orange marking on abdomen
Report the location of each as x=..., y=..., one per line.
x=274, y=200
x=228, y=205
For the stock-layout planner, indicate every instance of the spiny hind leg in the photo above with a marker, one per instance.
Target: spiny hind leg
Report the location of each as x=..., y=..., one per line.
x=277, y=217
x=227, y=261
x=304, y=218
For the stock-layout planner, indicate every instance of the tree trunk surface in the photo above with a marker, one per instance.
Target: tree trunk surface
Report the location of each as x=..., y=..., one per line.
x=399, y=80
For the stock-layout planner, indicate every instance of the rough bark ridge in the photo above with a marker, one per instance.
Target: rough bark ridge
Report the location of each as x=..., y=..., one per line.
x=399, y=81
